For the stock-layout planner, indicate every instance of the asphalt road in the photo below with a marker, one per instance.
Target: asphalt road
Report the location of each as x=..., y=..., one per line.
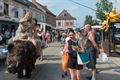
x=50, y=68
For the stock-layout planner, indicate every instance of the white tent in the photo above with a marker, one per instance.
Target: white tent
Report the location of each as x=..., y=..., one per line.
x=97, y=26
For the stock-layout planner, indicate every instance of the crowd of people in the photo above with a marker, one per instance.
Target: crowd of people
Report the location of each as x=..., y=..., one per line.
x=87, y=41
x=29, y=30
x=5, y=35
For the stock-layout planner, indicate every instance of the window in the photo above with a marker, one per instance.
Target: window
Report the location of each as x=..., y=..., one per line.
x=37, y=16
x=43, y=18
x=59, y=23
x=16, y=14
x=24, y=12
x=71, y=23
x=64, y=15
x=67, y=23
x=6, y=9
x=40, y=17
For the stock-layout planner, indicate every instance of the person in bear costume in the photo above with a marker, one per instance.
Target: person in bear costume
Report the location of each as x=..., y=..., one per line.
x=22, y=48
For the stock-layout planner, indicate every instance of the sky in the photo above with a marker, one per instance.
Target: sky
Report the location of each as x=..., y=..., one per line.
x=77, y=11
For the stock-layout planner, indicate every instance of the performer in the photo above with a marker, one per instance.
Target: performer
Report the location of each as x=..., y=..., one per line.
x=25, y=29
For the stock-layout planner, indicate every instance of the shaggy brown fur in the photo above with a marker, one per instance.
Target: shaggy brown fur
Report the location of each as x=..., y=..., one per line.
x=25, y=53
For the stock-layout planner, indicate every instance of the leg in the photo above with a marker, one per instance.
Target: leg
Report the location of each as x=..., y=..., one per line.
x=20, y=71
x=93, y=74
x=78, y=74
x=41, y=55
x=72, y=74
x=28, y=71
x=93, y=64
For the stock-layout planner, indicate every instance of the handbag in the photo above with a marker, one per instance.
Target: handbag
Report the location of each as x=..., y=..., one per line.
x=104, y=57
x=83, y=58
x=64, y=60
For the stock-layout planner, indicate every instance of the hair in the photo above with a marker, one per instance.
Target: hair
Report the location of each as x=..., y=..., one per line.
x=35, y=21
x=71, y=31
x=88, y=26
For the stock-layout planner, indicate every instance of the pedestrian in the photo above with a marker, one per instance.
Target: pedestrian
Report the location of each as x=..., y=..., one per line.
x=47, y=37
x=12, y=34
x=1, y=38
x=7, y=35
x=73, y=66
x=37, y=40
x=53, y=35
x=41, y=37
x=64, y=36
x=91, y=47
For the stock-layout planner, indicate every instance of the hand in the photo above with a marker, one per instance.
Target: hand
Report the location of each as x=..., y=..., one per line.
x=80, y=50
x=75, y=48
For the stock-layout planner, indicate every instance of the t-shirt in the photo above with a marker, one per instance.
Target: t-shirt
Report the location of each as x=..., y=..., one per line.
x=66, y=40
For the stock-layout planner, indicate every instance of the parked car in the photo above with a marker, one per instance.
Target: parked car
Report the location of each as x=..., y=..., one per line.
x=3, y=53
x=116, y=38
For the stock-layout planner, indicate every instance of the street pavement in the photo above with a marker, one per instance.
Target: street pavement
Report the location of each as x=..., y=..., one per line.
x=50, y=68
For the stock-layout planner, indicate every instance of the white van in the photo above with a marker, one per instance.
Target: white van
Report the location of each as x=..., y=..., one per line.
x=117, y=33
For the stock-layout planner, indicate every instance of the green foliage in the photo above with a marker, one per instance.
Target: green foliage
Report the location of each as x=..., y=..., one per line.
x=89, y=20
x=102, y=7
x=95, y=22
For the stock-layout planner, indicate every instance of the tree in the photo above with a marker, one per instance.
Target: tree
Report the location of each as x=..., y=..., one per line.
x=95, y=22
x=89, y=20
x=103, y=6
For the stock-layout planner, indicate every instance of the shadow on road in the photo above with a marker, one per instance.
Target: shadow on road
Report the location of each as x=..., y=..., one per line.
x=49, y=71
x=108, y=76
x=115, y=54
x=52, y=57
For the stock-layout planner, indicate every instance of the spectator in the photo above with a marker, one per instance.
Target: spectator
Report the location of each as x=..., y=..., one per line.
x=48, y=37
x=7, y=35
x=1, y=38
x=91, y=47
x=12, y=34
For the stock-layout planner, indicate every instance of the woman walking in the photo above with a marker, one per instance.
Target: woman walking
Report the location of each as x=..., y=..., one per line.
x=37, y=42
x=74, y=68
x=41, y=37
x=47, y=37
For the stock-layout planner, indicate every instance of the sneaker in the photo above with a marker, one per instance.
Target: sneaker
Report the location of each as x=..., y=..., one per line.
x=93, y=78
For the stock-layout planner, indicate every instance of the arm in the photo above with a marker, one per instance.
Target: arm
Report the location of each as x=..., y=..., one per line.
x=43, y=36
x=82, y=46
x=92, y=39
x=66, y=48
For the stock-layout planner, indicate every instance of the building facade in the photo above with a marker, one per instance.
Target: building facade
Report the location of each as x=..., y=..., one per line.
x=10, y=13
x=64, y=20
x=38, y=14
x=50, y=17
x=12, y=10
